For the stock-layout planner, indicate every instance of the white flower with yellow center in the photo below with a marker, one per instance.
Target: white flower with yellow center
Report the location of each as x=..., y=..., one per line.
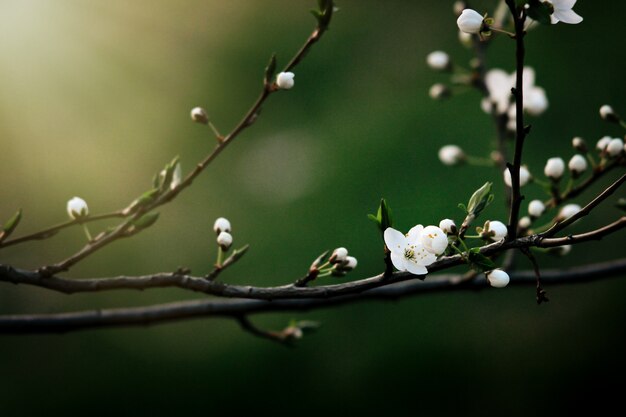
x=407, y=251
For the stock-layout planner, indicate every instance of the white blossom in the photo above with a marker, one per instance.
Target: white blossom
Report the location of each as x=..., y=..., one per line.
x=499, y=84
x=525, y=222
x=535, y=101
x=351, y=263
x=603, y=143
x=615, y=147
x=451, y=155
x=77, y=208
x=579, y=144
x=536, y=208
x=438, y=91
x=554, y=168
x=568, y=211
x=448, y=226
x=524, y=176
x=470, y=21
x=284, y=80
x=606, y=112
x=339, y=255
x=497, y=278
x=434, y=240
x=577, y=164
x=221, y=225
x=224, y=239
x=199, y=115
x=563, y=12
x=497, y=230
x=438, y=60
x=407, y=251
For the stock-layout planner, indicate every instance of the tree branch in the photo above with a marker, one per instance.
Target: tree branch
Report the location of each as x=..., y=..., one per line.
x=163, y=313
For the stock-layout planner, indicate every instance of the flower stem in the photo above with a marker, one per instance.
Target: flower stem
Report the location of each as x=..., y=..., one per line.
x=220, y=257
x=86, y=229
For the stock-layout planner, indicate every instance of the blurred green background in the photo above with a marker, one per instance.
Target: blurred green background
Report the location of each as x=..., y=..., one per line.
x=95, y=98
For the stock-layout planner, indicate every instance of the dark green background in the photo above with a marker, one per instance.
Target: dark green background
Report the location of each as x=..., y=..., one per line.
x=94, y=98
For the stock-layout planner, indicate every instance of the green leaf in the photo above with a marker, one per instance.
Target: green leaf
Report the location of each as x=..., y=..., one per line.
x=386, y=219
x=480, y=262
x=11, y=225
x=168, y=173
x=480, y=199
x=324, y=14
x=238, y=253
x=146, y=220
x=270, y=69
x=539, y=11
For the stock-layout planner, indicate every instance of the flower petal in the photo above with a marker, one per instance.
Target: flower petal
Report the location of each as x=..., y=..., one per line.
x=395, y=241
x=567, y=16
x=563, y=4
x=414, y=234
x=415, y=268
x=398, y=261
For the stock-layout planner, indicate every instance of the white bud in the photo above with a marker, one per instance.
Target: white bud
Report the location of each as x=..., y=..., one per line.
x=77, y=208
x=568, y=211
x=497, y=278
x=536, y=208
x=439, y=91
x=579, y=144
x=470, y=21
x=438, y=60
x=525, y=222
x=339, y=255
x=615, y=147
x=224, y=239
x=524, y=177
x=284, y=80
x=497, y=230
x=351, y=263
x=221, y=225
x=554, y=168
x=577, y=165
x=451, y=155
x=448, y=226
x=603, y=143
x=434, y=240
x=607, y=113
x=199, y=115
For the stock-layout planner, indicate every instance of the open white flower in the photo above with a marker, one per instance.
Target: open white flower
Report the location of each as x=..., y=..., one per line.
x=77, y=208
x=407, y=251
x=434, y=240
x=563, y=12
x=284, y=80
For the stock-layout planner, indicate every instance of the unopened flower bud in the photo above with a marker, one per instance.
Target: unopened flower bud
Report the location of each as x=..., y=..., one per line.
x=448, y=226
x=554, y=168
x=497, y=278
x=221, y=225
x=434, y=240
x=350, y=263
x=77, y=208
x=339, y=255
x=284, y=80
x=199, y=115
x=568, y=211
x=451, y=155
x=577, y=165
x=497, y=230
x=603, y=143
x=525, y=222
x=615, y=147
x=439, y=92
x=607, y=113
x=224, y=239
x=536, y=208
x=524, y=177
x=579, y=144
x=438, y=60
x=470, y=21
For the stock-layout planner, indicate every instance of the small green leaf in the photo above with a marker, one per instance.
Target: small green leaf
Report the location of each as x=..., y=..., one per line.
x=386, y=219
x=270, y=69
x=146, y=220
x=11, y=225
x=165, y=177
x=480, y=199
x=238, y=253
x=480, y=262
x=539, y=11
